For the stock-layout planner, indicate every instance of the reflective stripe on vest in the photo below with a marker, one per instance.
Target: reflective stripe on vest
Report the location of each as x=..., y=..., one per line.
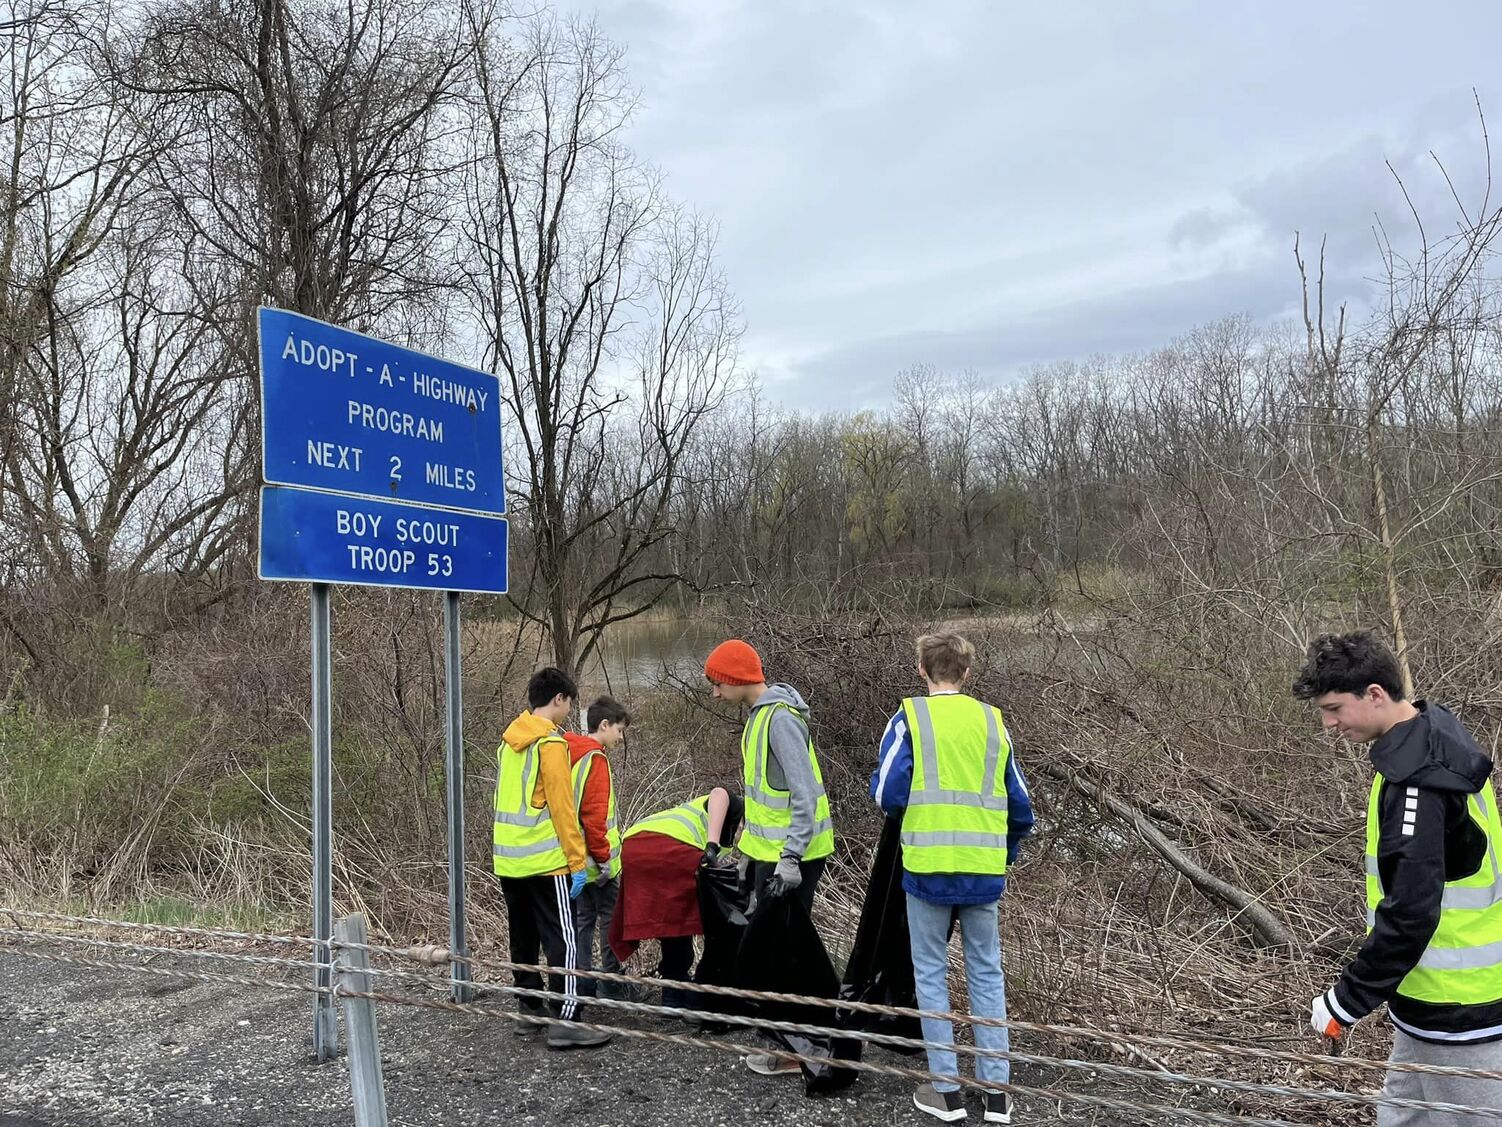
x=688, y=823
x=956, y=817
x=1463, y=963
x=523, y=841
x=612, y=833
x=769, y=813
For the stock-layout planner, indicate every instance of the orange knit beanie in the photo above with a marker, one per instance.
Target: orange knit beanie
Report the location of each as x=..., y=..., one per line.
x=734, y=663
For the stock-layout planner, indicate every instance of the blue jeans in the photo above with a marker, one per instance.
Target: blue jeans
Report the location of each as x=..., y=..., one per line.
x=928, y=932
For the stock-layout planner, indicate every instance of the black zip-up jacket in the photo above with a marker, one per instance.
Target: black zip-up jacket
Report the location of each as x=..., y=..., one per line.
x=1426, y=837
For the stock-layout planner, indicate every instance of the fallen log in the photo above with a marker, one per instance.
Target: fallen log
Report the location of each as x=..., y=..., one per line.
x=1268, y=930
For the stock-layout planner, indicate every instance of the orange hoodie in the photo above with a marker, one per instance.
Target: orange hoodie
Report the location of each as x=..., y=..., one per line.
x=594, y=805
x=554, y=788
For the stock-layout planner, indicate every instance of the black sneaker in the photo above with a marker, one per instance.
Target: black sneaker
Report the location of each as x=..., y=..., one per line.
x=623, y=992
x=998, y=1107
x=948, y=1106
x=676, y=998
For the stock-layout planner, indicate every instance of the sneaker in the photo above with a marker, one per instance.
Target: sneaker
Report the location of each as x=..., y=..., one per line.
x=572, y=1037
x=998, y=1107
x=623, y=992
x=948, y=1106
x=770, y=1064
x=677, y=998
x=528, y=1022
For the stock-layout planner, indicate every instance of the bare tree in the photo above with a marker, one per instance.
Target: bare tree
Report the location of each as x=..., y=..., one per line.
x=114, y=472
x=312, y=147
x=1437, y=300
x=598, y=303
x=76, y=164
x=302, y=158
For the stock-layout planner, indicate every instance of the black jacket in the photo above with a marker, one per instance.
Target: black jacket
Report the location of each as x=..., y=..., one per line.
x=1426, y=837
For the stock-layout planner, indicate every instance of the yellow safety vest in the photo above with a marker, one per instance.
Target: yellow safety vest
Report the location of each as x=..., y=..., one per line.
x=688, y=823
x=612, y=834
x=524, y=842
x=956, y=817
x=1463, y=963
x=769, y=812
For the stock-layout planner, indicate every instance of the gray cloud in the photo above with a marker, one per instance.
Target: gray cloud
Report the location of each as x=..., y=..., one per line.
x=978, y=185
x=860, y=374
x=1350, y=197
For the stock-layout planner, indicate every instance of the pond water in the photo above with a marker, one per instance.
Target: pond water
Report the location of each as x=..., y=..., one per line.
x=650, y=652
x=645, y=654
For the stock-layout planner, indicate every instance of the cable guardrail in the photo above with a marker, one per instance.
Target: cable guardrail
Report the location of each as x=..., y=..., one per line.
x=1105, y=1103
x=895, y=1041
x=435, y=955
x=169, y=972
x=22, y=941
x=158, y=929
x=151, y=949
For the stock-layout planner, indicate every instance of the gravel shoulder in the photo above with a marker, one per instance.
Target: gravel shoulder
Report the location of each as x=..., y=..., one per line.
x=81, y=1047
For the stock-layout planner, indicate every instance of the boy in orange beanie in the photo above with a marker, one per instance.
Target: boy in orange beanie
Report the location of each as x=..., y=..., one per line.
x=788, y=832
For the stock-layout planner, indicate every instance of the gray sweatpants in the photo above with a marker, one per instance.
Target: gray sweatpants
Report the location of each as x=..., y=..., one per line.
x=1441, y=1089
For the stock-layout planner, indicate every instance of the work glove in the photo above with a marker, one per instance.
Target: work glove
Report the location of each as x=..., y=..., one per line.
x=711, y=853
x=603, y=876
x=1323, y=1022
x=786, y=877
x=576, y=884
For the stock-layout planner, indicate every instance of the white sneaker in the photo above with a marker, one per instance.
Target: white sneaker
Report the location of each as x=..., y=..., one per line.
x=770, y=1064
x=948, y=1106
x=998, y=1107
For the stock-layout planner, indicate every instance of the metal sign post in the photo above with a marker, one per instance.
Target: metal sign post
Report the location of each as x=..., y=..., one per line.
x=453, y=693
x=325, y=1030
x=381, y=466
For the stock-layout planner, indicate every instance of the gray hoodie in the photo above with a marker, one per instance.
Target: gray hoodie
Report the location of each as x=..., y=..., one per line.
x=790, y=767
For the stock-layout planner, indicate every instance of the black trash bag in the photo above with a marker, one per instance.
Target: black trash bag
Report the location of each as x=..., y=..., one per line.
x=723, y=900
x=880, y=970
x=781, y=952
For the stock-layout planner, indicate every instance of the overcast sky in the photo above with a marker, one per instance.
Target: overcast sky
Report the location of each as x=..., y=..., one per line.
x=990, y=185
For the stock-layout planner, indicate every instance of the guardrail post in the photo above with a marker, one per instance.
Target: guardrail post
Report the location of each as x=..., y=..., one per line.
x=352, y=971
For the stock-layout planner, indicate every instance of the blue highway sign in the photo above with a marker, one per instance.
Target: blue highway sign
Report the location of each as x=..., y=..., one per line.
x=345, y=412
x=314, y=537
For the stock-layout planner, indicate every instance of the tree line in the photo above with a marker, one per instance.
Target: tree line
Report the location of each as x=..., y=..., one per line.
x=453, y=176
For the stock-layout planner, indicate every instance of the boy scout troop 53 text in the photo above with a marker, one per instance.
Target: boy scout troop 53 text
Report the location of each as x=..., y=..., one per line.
x=419, y=531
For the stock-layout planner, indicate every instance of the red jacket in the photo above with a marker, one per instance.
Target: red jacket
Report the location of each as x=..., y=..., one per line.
x=594, y=807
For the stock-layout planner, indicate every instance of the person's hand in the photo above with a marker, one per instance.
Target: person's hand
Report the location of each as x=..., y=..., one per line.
x=576, y=884
x=711, y=853
x=1323, y=1022
x=603, y=876
x=785, y=878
